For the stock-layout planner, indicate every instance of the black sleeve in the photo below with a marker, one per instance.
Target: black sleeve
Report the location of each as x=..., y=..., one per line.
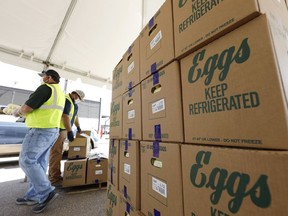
x=39, y=96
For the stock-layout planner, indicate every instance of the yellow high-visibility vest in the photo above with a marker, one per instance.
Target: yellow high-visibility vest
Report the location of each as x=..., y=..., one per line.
x=49, y=114
x=71, y=113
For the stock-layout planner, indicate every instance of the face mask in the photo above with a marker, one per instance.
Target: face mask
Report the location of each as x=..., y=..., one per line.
x=41, y=81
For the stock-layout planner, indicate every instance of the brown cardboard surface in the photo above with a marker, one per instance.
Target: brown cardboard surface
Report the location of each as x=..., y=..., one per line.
x=112, y=201
x=129, y=172
x=132, y=118
x=113, y=163
x=230, y=181
x=157, y=41
x=87, y=132
x=131, y=66
x=116, y=118
x=234, y=89
x=97, y=170
x=126, y=208
x=79, y=148
x=162, y=105
x=161, y=178
x=74, y=172
x=197, y=23
x=117, y=80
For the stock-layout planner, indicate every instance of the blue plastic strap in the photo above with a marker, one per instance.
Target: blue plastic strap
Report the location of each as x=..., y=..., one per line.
x=96, y=181
x=153, y=68
x=126, y=145
x=157, y=132
x=156, y=149
x=130, y=133
x=155, y=78
x=151, y=23
x=129, y=49
x=111, y=174
x=156, y=212
x=128, y=207
x=125, y=191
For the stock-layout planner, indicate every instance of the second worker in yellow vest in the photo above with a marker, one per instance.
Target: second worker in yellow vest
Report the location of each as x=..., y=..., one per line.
x=69, y=117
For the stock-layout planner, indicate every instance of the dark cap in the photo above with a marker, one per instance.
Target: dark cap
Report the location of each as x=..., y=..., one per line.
x=51, y=73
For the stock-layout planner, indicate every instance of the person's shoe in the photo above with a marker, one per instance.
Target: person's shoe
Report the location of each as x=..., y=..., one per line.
x=58, y=184
x=23, y=201
x=42, y=206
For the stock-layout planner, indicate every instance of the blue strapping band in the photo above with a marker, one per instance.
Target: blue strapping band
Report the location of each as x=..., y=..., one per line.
x=156, y=212
x=151, y=23
x=128, y=207
x=157, y=132
x=153, y=68
x=111, y=175
x=126, y=145
x=155, y=78
x=130, y=133
x=125, y=191
x=156, y=149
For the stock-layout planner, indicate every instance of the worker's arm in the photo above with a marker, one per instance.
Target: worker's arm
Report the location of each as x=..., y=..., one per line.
x=23, y=111
x=77, y=124
x=66, y=122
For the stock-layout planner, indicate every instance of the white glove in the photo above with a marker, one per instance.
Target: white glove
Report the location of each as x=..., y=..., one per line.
x=11, y=108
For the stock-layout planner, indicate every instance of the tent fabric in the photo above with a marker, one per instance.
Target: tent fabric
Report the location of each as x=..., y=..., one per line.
x=79, y=38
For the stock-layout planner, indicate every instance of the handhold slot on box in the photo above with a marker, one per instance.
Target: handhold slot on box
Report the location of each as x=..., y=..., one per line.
x=156, y=163
x=152, y=29
x=126, y=154
x=130, y=102
x=129, y=56
x=156, y=89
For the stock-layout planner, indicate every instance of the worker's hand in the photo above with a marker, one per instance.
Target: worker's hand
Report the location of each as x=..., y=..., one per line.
x=79, y=129
x=15, y=112
x=70, y=136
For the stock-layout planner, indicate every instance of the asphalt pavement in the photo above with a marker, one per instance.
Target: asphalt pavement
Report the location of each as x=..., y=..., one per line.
x=78, y=200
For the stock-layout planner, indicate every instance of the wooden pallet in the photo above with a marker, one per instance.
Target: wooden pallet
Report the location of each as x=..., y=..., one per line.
x=85, y=188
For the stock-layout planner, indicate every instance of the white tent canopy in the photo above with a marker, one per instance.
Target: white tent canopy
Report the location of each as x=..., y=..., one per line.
x=79, y=38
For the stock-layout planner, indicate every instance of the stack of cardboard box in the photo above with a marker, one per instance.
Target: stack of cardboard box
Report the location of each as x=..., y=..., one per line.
x=209, y=135
x=81, y=168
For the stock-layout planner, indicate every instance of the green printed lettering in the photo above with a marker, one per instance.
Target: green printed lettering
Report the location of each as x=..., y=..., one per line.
x=235, y=184
x=221, y=61
x=181, y=3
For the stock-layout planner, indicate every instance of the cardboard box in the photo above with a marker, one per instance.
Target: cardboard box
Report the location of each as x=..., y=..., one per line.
x=113, y=163
x=117, y=80
x=235, y=89
x=116, y=118
x=132, y=115
x=83, y=132
x=162, y=105
x=161, y=179
x=196, y=23
x=126, y=208
x=230, y=181
x=157, y=41
x=131, y=66
x=74, y=173
x=129, y=172
x=97, y=170
x=79, y=148
x=112, y=201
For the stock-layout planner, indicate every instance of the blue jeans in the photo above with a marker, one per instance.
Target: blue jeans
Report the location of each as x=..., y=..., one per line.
x=33, y=160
